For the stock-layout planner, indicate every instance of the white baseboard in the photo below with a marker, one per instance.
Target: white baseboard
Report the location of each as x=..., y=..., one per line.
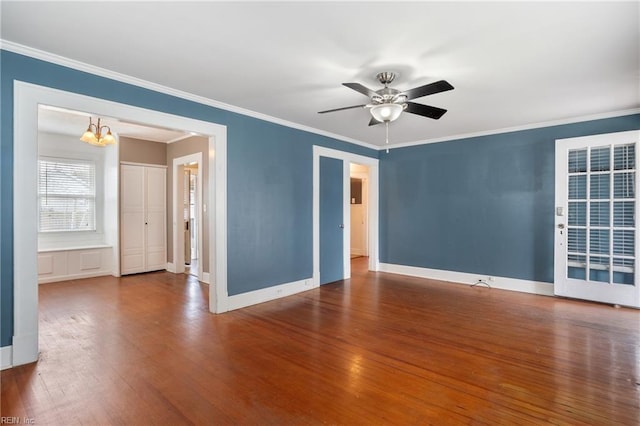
x=6, y=357
x=266, y=294
x=503, y=283
x=46, y=280
x=206, y=278
x=171, y=267
x=358, y=252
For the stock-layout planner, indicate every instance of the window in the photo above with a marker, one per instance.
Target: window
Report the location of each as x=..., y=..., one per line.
x=66, y=195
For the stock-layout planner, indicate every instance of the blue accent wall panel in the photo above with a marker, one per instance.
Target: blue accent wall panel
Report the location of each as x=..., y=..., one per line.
x=480, y=205
x=269, y=182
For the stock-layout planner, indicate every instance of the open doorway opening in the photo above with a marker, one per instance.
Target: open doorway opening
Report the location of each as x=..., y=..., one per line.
x=328, y=253
x=191, y=203
x=191, y=220
x=189, y=207
x=359, y=175
x=77, y=207
x=27, y=97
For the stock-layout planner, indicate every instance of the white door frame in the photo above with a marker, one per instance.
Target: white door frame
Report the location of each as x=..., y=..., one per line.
x=178, y=231
x=563, y=286
x=27, y=97
x=347, y=159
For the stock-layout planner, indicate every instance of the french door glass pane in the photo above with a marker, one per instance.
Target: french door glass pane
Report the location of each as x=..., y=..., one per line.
x=577, y=240
x=599, y=214
x=624, y=185
x=600, y=159
x=599, y=241
x=624, y=157
x=577, y=266
x=578, y=187
x=577, y=213
x=623, y=271
x=624, y=242
x=600, y=186
x=599, y=268
x=624, y=214
x=578, y=161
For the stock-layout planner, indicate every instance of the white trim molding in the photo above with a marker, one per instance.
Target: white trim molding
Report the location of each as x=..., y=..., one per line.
x=270, y=293
x=102, y=72
x=502, y=283
x=524, y=127
x=373, y=191
x=206, y=278
x=27, y=97
x=112, y=75
x=6, y=357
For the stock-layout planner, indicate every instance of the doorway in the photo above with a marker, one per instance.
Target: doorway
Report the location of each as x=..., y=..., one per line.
x=27, y=97
x=191, y=252
x=338, y=217
x=596, y=239
x=359, y=210
x=187, y=213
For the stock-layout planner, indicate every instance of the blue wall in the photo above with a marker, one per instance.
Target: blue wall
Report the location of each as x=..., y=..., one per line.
x=480, y=205
x=269, y=179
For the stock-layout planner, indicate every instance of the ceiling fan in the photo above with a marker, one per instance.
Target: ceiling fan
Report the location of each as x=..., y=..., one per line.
x=387, y=104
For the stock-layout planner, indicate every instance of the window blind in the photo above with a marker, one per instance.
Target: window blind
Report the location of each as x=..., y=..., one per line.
x=66, y=195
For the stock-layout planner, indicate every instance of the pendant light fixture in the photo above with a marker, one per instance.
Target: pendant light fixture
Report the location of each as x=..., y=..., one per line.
x=94, y=136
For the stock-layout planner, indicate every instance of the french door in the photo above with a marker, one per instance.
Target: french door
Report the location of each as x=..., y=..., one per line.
x=596, y=241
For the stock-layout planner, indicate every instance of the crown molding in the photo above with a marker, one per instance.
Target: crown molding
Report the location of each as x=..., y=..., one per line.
x=123, y=78
x=518, y=128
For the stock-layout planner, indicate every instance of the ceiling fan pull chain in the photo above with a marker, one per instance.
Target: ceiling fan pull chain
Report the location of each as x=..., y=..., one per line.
x=386, y=125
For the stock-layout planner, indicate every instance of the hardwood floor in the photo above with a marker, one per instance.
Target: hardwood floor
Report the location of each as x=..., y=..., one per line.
x=376, y=349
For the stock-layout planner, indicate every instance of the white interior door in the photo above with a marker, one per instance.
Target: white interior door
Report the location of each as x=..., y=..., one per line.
x=156, y=231
x=132, y=235
x=596, y=242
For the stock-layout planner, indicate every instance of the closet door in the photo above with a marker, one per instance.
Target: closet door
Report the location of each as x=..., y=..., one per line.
x=155, y=223
x=132, y=219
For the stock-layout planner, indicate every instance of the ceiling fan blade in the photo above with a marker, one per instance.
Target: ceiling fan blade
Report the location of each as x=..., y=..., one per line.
x=340, y=109
x=428, y=89
x=425, y=110
x=373, y=122
x=360, y=88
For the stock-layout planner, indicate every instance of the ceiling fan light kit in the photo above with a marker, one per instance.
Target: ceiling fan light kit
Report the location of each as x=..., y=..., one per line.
x=386, y=104
x=386, y=112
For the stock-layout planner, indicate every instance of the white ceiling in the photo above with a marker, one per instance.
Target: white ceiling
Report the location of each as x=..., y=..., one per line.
x=512, y=64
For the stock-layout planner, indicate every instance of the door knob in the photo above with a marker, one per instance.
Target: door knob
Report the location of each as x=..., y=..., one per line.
x=341, y=226
x=561, y=226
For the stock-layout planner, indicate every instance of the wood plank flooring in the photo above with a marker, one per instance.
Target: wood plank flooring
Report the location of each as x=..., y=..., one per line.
x=376, y=349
